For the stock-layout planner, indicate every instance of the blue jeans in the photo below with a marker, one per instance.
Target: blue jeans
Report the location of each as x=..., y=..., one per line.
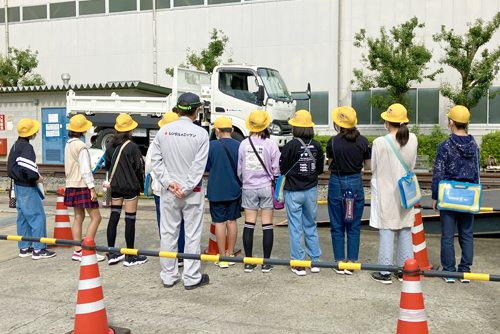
x=465, y=223
x=181, y=241
x=31, y=220
x=338, y=227
x=301, y=211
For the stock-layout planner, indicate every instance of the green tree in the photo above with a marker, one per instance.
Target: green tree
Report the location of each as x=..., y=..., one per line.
x=18, y=69
x=206, y=59
x=460, y=52
x=394, y=61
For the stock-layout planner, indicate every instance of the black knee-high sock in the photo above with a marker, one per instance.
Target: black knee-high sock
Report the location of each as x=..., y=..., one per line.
x=114, y=218
x=248, y=238
x=130, y=228
x=267, y=240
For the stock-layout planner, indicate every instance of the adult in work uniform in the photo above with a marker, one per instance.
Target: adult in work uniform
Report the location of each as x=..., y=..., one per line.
x=179, y=157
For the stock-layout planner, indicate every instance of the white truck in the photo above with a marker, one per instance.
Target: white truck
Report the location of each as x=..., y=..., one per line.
x=233, y=91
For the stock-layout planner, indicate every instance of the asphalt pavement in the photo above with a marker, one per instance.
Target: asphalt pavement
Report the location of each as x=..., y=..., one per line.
x=40, y=296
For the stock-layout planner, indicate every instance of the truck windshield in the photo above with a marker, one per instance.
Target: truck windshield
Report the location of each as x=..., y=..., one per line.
x=275, y=86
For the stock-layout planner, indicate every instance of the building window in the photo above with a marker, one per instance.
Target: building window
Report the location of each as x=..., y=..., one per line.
x=91, y=7
x=160, y=4
x=218, y=2
x=480, y=112
x=35, y=13
x=494, y=108
x=183, y=3
x=116, y=6
x=62, y=9
x=317, y=106
x=424, y=106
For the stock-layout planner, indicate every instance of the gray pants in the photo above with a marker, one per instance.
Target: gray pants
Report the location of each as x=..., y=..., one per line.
x=191, y=208
x=386, y=248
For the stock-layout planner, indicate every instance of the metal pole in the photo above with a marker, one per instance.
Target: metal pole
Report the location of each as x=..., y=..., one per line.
x=155, y=65
x=6, y=6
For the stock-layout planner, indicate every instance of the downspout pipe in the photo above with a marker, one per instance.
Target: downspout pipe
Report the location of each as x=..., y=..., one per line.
x=155, y=65
x=339, y=56
x=6, y=6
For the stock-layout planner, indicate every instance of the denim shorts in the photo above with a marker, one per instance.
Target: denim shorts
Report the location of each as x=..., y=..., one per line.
x=253, y=199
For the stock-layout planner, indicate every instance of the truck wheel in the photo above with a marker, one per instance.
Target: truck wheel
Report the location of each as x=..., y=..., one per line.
x=238, y=136
x=104, y=137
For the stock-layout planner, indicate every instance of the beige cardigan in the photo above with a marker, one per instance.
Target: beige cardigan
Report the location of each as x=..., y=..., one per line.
x=386, y=210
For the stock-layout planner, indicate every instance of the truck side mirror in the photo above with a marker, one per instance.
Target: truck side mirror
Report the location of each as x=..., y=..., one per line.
x=308, y=91
x=260, y=96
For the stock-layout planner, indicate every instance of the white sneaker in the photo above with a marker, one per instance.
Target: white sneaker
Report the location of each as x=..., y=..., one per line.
x=339, y=271
x=99, y=257
x=315, y=269
x=300, y=271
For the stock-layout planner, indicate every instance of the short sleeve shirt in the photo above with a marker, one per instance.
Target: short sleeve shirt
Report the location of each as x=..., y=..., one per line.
x=349, y=156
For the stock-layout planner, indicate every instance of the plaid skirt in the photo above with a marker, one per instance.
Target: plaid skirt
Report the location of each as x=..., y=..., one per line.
x=79, y=197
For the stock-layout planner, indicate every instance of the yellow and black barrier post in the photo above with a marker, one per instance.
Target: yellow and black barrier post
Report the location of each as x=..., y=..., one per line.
x=256, y=260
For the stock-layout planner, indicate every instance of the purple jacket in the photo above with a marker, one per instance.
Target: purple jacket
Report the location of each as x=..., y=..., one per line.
x=250, y=170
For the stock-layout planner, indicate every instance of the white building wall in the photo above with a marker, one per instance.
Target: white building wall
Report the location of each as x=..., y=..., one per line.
x=297, y=37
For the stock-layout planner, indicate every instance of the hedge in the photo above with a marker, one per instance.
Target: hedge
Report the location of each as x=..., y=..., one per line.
x=490, y=146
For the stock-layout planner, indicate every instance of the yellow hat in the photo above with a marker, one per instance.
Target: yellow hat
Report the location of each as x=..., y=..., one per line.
x=345, y=117
x=168, y=117
x=27, y=127
x=125, y=123
x=258, y=121
x=396, y=113
x=459, y=114
x=302, y=119
x=223, y=123
x=79, y=123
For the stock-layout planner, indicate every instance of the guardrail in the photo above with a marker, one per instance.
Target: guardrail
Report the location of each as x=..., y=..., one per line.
x=255, y=260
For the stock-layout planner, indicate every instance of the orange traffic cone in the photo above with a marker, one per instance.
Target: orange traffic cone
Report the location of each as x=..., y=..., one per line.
x=213, y=249
x=90, y=317
x=62, y=228
x=412, y=318
x=419, y=245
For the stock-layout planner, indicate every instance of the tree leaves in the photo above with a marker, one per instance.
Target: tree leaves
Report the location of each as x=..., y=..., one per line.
x=476, y=73
x=207, y=59
x=394, y=62
x=17, y=69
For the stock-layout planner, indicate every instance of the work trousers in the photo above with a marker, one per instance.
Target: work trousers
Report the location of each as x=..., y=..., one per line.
x=301, y=210
x=465, y=223
x=173, y=210
x=180, y=246
x=31, y=220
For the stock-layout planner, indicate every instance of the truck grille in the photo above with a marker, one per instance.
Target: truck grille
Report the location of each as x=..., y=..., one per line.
x=286, y=128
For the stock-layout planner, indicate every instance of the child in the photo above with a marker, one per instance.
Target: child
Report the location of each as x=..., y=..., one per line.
x=80, y=190
x=457, y=158
x=22, y=168
x=303, y=160
x=224, y=187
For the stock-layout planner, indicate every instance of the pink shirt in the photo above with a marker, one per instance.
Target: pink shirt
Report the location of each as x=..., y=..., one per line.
x=250, y=170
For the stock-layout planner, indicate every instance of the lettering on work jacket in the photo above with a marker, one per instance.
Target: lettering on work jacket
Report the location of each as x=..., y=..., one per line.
x=180, y=153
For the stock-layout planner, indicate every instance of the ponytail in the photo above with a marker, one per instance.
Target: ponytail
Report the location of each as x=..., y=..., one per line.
x=403, y=134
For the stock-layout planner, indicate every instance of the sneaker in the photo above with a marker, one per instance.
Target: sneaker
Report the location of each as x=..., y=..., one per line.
x=223, y=265
x=384, y=279
x=204, y=280
x=449, y=279
x=465, y=280
x=339, y=271
x=114, y=258
x=133, y=260
x=100, y=257
x=348, y=272
x=42, y=254
x=315, y=269
x=26, y=252
x=267, y=267
x=398, y=275
x=300, y=271
x=231, y=263
x=77, y=256
x=249, y=267
x=171, y=285
x=180, y=262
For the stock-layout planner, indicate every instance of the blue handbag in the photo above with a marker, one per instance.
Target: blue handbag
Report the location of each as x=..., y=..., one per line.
x=408, y=184
x=148, y=186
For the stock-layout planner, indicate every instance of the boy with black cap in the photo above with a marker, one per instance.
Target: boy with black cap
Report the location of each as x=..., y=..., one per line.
x=179, y=157
x=457, y=158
